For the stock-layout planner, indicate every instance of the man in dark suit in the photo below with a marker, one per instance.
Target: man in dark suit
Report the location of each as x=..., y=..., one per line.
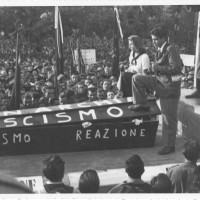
x=166, y=82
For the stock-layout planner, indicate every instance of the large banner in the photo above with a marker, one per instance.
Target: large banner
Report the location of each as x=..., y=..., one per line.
x=73, y=113
x=95, y=125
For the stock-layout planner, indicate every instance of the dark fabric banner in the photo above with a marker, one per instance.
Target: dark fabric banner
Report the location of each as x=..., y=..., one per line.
x=16, y=90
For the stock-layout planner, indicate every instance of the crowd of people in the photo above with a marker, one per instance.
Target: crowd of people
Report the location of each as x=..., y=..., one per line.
x=38, y=88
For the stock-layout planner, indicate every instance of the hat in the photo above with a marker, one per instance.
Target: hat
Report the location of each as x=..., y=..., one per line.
x=60, y=76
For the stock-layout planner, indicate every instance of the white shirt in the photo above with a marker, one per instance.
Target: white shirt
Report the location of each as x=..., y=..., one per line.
x=140, y=64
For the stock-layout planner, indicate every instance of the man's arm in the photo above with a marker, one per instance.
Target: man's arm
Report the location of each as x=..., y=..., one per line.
x=174, y=64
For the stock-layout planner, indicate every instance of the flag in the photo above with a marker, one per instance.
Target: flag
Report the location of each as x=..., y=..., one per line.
x=115, y=63
x=59, y=49
x=16, y=90
x=81, y=64
x=72, y=63
x=118, y=22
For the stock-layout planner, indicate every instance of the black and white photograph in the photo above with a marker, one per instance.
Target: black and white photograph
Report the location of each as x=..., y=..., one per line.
x=99, y=100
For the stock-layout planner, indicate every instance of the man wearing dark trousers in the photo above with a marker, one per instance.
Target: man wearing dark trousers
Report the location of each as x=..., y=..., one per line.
x=166, y=82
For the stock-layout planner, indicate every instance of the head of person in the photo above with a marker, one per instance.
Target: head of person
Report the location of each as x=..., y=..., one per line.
x=92, y=94
x=27, y=99
x=88, y=81
x=74, y=78
x=191, y=150
x=94, y=80
x=159, y=35
x=134, y=167
x=100, y=71
x=49, y=92
x=53, y=168
x=135, y=43
x=107, y=70
x=81, y=89
x=110, y=94
x=106, y=85
x=161, y=184
x=89, y=182
x=101, y=94
x=119, y=94
x=62, y=98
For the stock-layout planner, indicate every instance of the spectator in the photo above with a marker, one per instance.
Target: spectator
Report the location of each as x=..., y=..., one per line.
x=110, y=94
x=119, y=95
x=89, y=182
x=182, y=175
x=53, y=170
x=101, y=94
x=26, y=101
x=106, y=85
x=62, y=99
x=134, y=169
x=92, y=94
x=161, y=184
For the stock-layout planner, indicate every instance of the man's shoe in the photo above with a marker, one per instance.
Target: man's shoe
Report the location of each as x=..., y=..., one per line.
x=195, y=94
x=166, y=150
x=139, y=107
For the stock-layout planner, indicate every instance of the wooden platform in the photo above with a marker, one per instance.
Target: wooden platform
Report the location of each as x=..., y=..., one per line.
x=189, y=115
x=108, y=163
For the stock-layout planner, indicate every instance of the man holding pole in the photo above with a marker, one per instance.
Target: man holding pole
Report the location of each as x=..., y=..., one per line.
x=166, y=83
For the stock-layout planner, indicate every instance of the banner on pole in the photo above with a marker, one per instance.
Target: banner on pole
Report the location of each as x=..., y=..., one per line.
x=88, y=55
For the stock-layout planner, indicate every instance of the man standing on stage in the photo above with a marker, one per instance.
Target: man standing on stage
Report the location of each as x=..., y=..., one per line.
x=166, y=83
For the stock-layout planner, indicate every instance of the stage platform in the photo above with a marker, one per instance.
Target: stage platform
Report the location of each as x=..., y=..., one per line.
x=189, y=115
x=108, y=163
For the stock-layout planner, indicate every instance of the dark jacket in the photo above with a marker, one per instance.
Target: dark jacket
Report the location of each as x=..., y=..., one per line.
x=58, y=188
x=170, y=67
x=132, y=187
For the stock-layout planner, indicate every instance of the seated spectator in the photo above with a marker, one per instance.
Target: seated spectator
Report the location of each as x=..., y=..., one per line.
x=62, y=99
x=26, y=101
x=88, y=81
x=182, y=175
x=106, y=85
x=92, y=94
x=101, y=94
x=110, y=94
x=94, y=80
x=53, y=170
x=74, y=78
x=119, y=95
x=161, y=184
x=134, y=169
x=81, y=92
x=107, y=72
x=89, y=182
x=35, y=99
x=54, y=101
